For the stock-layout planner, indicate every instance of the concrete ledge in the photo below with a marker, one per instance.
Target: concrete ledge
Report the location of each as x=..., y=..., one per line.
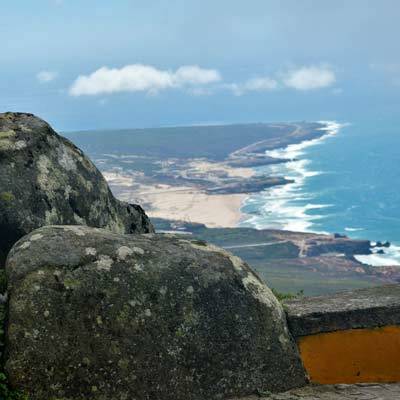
x=349, y=337
x=336, y=392
x=365, y=308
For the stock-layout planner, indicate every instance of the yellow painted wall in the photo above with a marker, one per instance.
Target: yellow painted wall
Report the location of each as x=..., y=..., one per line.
x=351, y=356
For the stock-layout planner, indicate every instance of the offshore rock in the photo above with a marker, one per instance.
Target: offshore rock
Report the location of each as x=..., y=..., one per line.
x=45, y=180
x=98, y=315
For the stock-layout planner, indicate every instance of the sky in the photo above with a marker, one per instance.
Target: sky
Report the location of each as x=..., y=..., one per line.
x=100, y=64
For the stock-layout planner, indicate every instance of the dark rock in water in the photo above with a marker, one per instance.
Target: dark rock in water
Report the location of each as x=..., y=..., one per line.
x=93, y=314
x=380, y=251
x=364, y=308
x=45, y=180
x=380, y=244
x=339, y=236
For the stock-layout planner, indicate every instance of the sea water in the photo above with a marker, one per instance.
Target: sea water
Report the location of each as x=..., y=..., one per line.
x=346, y=182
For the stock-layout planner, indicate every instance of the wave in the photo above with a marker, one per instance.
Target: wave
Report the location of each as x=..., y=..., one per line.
x=348, y=229
x=287, y=207
x=390, y=258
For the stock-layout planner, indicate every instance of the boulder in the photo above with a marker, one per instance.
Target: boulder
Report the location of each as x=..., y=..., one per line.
x=45, y=180
x=98, y=315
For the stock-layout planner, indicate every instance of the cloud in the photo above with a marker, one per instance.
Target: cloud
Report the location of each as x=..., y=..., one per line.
x=194, y=75
x=46, y=76
x=193, y=80
x=260, y=84
x=141, y=78
x=309, y=78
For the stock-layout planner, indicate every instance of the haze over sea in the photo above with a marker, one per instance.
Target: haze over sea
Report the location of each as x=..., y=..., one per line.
x=346, y=182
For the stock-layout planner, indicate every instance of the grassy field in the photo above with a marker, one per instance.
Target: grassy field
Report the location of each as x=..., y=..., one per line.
x=278, y=264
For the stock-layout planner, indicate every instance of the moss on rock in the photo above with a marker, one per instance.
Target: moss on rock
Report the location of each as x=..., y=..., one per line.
x=141, y=316
x=7, y=197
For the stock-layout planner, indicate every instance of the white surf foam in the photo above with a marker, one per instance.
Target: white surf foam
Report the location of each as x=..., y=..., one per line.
x=286, y=207
x=348, y=229
x=390, y=258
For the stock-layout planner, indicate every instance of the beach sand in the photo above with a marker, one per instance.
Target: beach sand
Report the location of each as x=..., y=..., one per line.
x=179, y=203
x=184, y=203
x=191, y=205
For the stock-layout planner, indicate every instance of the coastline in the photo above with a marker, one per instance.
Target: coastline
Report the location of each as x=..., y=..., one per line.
x=276, y=207
x=228, y=193
x=281, y=212
x=214, y=205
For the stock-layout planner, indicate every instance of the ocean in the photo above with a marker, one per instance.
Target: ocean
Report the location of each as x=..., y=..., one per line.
x=346, y=182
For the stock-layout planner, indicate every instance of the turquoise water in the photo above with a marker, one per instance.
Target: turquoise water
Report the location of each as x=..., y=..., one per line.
x=347, y=182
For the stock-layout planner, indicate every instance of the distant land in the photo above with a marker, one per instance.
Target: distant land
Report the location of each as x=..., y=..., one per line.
x=193, y=180
x=200, y=173
x=291, y=262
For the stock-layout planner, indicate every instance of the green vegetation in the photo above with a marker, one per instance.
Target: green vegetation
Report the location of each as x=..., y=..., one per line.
x=287, y=296
x=277, y=263
x=212, y=142
x=7, y=196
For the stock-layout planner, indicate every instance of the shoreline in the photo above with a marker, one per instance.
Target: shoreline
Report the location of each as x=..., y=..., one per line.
x=299, y=220
x=213, y=206
x=192, y=191
x=281, y=214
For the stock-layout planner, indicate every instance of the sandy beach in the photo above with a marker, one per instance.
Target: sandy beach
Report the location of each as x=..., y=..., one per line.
x=183, y=203
x=191, y=205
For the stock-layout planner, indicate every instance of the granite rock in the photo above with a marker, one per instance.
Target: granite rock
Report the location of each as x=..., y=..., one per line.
x=45, y=180
x=98, y=315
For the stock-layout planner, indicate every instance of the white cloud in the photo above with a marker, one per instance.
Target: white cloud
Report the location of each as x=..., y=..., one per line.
x=260, y=84
x=193, y=79
x=309, y=78
x=194, y=75
x=141, y=78
x=46, y=76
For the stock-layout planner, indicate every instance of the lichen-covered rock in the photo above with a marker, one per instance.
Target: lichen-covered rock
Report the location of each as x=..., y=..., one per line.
x=45, y=180
x=97, y=315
